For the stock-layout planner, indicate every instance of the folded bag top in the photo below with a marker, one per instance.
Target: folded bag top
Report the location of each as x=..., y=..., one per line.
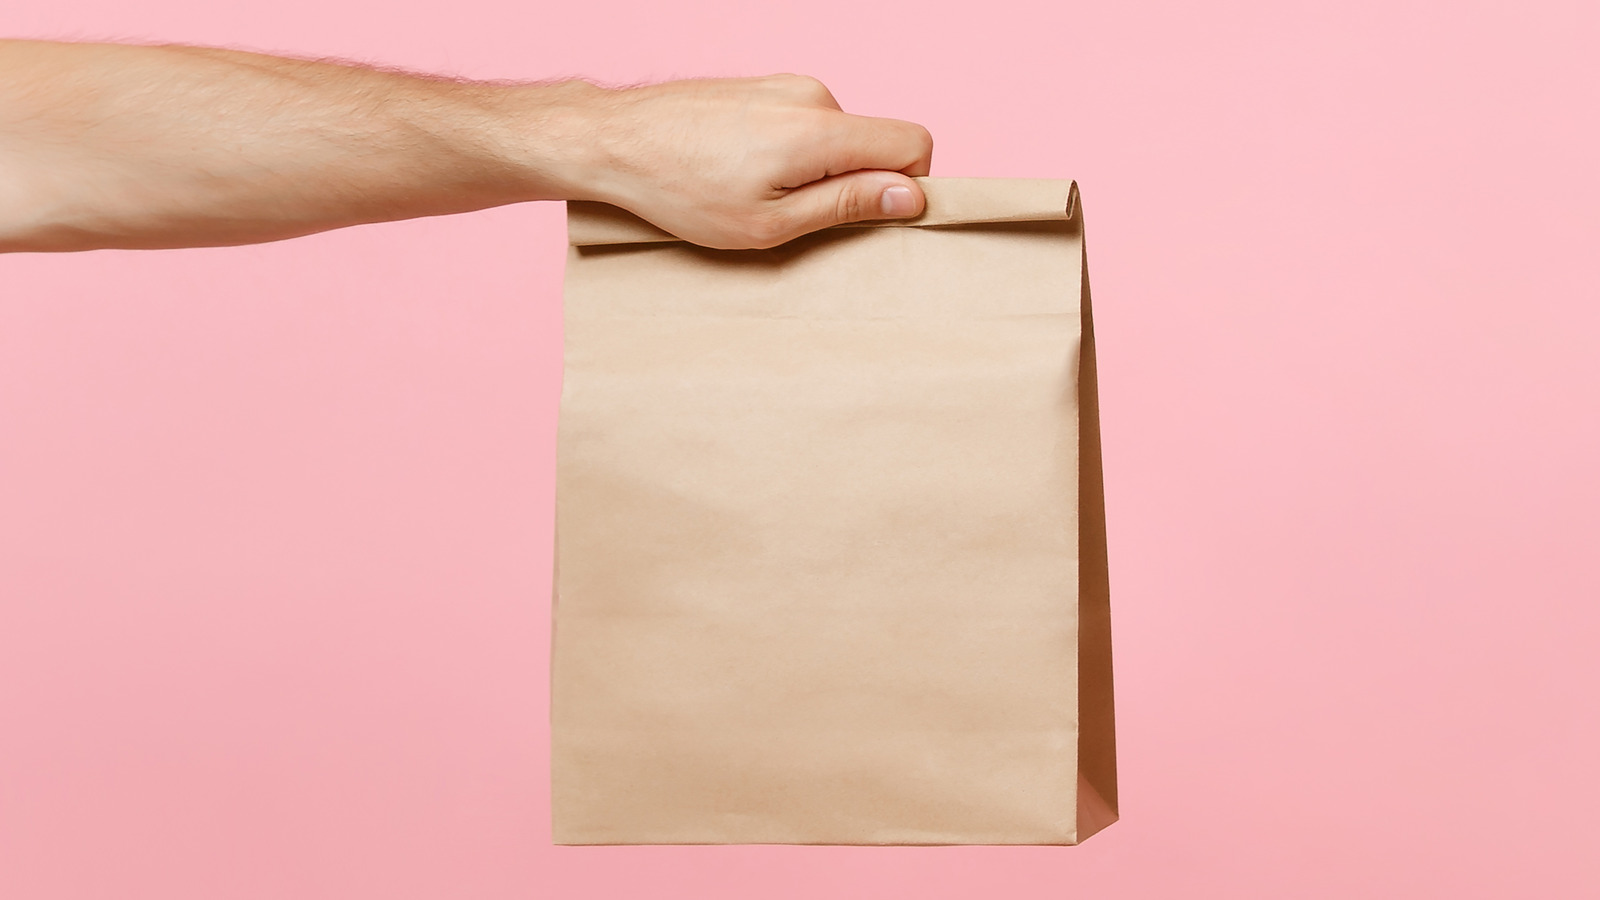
x=950, y=201
x=830, y=558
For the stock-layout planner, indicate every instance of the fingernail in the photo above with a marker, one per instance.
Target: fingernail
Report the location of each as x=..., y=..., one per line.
x=897, y=201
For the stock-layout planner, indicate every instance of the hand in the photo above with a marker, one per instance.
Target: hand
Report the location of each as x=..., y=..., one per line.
x=748, y=162
x=108, y=145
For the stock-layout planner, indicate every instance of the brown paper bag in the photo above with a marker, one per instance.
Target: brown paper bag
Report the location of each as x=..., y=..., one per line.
x=831, y=550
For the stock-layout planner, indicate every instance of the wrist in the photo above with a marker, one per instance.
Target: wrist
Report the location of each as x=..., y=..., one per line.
x=553, y=140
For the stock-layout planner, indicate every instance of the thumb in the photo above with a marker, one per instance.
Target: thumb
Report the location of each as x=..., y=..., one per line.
x=854, y=197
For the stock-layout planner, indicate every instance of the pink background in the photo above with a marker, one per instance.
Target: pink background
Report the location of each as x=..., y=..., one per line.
x=275, y=521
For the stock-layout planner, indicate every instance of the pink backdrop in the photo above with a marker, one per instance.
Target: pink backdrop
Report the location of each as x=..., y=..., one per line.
x=274, y=521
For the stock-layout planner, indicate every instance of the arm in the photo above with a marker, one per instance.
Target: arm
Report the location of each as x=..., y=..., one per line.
x=106, y=145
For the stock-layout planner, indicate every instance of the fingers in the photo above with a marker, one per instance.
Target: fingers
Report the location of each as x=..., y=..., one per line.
x=786, y=162
x=868, y=163
x=851, y=197
x=861, y=142
x=805, y=89
x=864, y=142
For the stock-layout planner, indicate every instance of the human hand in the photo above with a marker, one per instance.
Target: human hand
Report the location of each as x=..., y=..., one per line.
x=108, y=145
x=747, y=162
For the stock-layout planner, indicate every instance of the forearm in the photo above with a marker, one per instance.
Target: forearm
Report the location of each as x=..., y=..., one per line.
x=109, y=145
x=137, y=147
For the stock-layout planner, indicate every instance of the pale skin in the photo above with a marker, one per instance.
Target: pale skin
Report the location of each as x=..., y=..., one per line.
x=124, y=146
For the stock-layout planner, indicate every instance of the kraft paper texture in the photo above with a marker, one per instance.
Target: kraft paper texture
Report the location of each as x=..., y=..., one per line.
x=830, y=555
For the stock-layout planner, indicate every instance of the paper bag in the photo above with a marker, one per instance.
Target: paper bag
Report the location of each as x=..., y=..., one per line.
x=830, y=554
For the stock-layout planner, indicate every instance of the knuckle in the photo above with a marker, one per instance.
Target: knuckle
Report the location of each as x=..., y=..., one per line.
x=806, y=86
x=851, y=206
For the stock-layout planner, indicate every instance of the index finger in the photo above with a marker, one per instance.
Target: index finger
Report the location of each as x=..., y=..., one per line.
x=867, y=142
